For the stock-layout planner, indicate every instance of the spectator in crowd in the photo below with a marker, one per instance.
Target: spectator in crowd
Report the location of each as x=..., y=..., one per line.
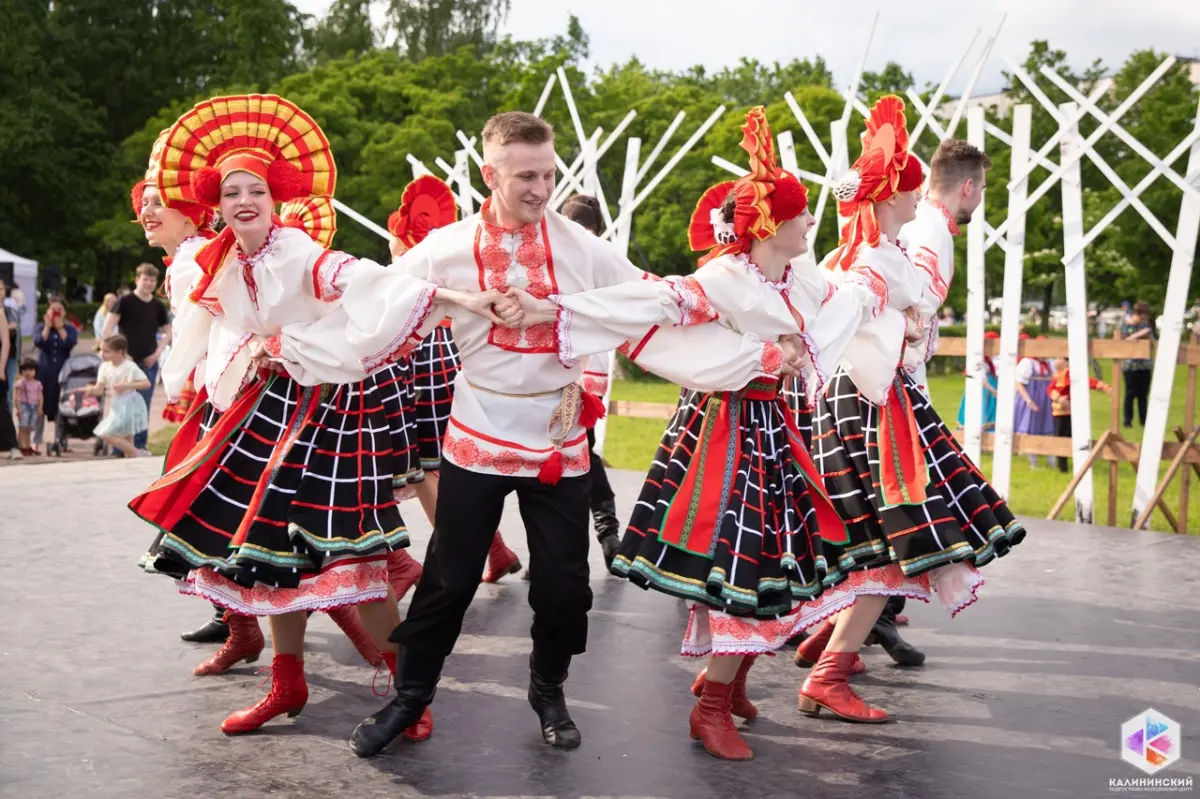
x=8, y=434
x=1060, y=400
x=140, y=317
x=107, y=305
x=12, y=331
x=1193, y=318
x=947, y=319
x=29, y=405
x=55, y=340
x=123, y=382
x=1136, y=371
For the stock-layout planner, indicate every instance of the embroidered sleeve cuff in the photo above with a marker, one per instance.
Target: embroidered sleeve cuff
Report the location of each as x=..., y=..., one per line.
x=326, y=274
x=274, y=346
x=562, y=338
x=771, y=361
x=408, y=337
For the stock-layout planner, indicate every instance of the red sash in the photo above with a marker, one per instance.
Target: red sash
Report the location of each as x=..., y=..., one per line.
x=166, y=501
x=902, y=469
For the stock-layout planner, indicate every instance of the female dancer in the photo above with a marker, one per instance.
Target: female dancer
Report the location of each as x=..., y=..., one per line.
x=733, y=514
x=919, y=514
x=286, y=505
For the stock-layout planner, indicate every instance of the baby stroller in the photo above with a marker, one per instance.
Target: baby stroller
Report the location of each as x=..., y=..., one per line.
x=78, y=413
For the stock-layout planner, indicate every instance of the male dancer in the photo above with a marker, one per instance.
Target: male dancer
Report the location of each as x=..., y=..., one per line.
x=517, y=420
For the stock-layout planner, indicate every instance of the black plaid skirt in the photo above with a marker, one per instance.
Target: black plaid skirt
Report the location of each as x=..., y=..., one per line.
x=963, y=519
x=794, y=393
x=290, y=483
x=435, y=365
x=394, y=386
x=738, y=497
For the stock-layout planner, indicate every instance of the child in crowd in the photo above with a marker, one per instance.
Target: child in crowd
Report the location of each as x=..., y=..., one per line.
x=1060, y=400
x=29, y=401
x=121, y=379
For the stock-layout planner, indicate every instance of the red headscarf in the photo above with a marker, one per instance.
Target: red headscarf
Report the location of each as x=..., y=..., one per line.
x=763, y=199
x=884, y=169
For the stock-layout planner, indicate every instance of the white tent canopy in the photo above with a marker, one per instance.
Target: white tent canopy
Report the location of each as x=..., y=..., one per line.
x=25, y=274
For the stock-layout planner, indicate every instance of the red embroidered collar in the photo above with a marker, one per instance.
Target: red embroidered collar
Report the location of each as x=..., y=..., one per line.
x=497, y=230
x=954, y=229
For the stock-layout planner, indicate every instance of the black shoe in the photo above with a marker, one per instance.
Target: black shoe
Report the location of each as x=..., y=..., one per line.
x=211, y=632
x=375, y=732
x=415, y=689
x=608, y=529
x=609, y=546
x=547, y=700
x=886, y=635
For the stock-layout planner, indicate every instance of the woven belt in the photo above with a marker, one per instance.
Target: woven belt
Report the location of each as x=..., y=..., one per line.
x=519, y=396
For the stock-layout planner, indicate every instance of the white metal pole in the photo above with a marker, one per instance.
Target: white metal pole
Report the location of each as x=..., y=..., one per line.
x=462, y=170
x=1169, y=337
x=362, y=220
x=927, y=116
x=952, y=126
x=628, y=192
x=541, y=103
x=646, y=165
x=1010, y=323
x=976, y=376
x=1077, y=321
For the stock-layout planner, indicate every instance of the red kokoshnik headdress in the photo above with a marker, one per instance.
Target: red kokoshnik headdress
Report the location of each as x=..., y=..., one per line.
x=314, y=215
x=427, y=204
x=885, y=168
x=200, y=215
x=763, y=199
x=261, y=134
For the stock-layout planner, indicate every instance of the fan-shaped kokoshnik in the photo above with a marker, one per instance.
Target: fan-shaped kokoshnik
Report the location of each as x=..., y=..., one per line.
x=314, y=215
x=264, y=126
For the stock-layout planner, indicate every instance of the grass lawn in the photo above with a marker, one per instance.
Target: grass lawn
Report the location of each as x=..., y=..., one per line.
x=631, y=444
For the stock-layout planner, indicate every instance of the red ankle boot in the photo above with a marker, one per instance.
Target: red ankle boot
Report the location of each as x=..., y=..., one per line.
x=711, y=723
x=423, y=728
x=245, y=642
x=810, y=649
x=828, y=687
x=501, y=561
x=346, y=617
x=289, y=693
x=403, y=572
x=742, y=706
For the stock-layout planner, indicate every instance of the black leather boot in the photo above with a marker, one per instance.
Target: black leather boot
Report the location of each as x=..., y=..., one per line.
x=546, y=678
x=415, y=689
x=604, y=517
x=213, y=631
x=886, y=635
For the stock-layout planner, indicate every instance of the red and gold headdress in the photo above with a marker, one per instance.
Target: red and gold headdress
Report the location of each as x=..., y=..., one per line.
x=200, y=215
x=884, y=169
x=314, y=215
x=427, y=204
x=763, y=199
x=262, y=134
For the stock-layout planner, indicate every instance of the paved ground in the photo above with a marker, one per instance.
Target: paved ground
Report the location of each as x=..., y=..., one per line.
x=1023, y=694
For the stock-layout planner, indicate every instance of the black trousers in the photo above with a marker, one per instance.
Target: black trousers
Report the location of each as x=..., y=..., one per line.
x=601, y=491
x=468, y=512
x=1137, y=390
x=1062, y=429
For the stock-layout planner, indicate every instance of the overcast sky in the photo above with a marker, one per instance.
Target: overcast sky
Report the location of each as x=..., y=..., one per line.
x=925, y=36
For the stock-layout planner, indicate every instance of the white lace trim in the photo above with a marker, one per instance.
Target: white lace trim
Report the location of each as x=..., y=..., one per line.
x=778, y=285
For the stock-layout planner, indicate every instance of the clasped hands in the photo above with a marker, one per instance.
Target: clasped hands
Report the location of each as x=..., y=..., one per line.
x=513, y=307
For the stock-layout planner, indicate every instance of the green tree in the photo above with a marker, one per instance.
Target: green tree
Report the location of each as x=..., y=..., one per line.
x=345, y=30
x=424, y=28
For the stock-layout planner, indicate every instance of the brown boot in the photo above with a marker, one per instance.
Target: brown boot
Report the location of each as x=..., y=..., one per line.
x=346, y=617
x=711, y=723
x=742, y=706
x=245, y=642
x=501, y=561
x=289, y=694
x=828, y=687
x=810, y=649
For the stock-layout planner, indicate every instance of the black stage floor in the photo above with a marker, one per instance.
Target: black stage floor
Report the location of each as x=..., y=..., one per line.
x=1023, y=695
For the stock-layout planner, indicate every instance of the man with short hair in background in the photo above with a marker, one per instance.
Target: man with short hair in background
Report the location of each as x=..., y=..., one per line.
x=140, y=317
